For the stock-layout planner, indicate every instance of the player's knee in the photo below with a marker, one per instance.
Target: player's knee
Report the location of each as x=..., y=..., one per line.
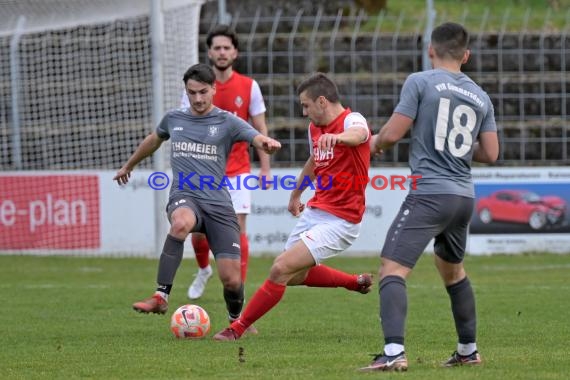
x=278, y=268
x=180, y=228
x=280, y=272
x=392, y=268
x=232, y=284
x=231, y=280
x=451, y=277
x=450, y=272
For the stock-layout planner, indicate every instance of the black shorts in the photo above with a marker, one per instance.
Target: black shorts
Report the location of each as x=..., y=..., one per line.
x=218, y=222
x=421, y=218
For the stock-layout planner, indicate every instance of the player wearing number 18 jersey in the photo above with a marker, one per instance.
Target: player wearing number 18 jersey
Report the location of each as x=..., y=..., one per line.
x=453, y=112
x=452, y=123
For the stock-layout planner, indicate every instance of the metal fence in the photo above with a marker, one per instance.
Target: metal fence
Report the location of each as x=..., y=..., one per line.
x=524, y=70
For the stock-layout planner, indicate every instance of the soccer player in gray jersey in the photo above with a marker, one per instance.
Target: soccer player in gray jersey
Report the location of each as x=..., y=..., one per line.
x=452, y=123
x=201, y=139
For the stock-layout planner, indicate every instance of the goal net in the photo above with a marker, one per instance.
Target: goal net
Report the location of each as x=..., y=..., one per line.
x=76, y=98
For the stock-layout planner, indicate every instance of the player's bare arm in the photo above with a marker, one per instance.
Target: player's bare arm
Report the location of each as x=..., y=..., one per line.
x=486, y=149
x=267, y=144
x=352, y=136
x=392, y=132
x=295, y=206
x=258, y=122
x=147, y=147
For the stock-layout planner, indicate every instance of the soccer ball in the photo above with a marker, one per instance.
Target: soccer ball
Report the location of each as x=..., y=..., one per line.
x=190, y=322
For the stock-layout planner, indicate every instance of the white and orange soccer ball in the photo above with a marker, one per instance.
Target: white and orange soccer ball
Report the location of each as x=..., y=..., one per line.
x=190, y=322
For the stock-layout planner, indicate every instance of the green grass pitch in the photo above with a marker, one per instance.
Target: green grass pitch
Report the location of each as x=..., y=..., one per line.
x=71, y=317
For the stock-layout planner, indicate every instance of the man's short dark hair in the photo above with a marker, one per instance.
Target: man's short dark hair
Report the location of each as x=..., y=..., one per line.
x=222, y=30
x=201, y=73
x=450, y=40
x=319, y=85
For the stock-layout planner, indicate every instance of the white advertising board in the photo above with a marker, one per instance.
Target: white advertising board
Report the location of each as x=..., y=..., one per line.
x=127, y=214
x=86, y=212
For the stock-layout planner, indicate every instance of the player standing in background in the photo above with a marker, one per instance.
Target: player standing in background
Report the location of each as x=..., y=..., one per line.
x=331, y=221
x=241, y=96
x=201, y=139
x=452, y=124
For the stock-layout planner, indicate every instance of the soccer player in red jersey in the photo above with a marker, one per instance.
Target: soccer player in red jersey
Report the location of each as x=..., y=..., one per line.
x=330, y=222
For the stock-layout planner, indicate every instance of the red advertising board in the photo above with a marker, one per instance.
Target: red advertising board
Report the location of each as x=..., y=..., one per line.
x=49, y=212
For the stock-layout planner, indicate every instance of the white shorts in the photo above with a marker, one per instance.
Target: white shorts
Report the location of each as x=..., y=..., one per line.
x=241, y=198
x=324, y=234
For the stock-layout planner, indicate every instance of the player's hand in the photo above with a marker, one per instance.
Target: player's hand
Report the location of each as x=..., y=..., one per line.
x=375, y=149
x=327, y=142
x=295, y=206
x=122, y=176
x=270, y=145
x=264, y=177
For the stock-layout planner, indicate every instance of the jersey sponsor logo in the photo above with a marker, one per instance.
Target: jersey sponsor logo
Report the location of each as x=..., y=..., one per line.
x=451, y=87
x=236, y=245
x=213, y=130
x=178, y=129
x=322, y=156
x=238, y=101
x=194, y=150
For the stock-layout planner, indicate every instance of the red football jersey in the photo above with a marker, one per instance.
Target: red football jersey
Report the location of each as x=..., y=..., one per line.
x=346, y=166
x=234, y=96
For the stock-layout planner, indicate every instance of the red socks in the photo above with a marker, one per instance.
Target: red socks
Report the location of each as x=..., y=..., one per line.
x=321, y=276
x=267, y=296
x=201, y=250
x=270, y=293
x=244, y=244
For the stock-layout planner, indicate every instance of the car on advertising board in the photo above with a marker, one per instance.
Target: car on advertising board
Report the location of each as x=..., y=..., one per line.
x=521, y=206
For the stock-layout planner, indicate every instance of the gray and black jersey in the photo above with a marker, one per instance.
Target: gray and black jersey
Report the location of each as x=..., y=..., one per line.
x=449, y=111
x=200, y=146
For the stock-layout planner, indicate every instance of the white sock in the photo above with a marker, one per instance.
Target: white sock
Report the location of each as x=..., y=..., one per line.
x=207, y=271
x=466, y=349
x=392, y=349
x=163, y=295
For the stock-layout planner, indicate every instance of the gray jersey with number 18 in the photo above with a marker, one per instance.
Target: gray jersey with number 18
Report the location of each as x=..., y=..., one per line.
x=449, y=112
